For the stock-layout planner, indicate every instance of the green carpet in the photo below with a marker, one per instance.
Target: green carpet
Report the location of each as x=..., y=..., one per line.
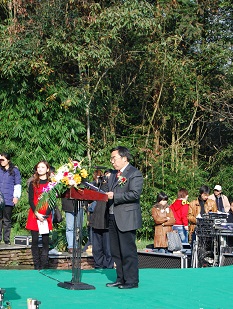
x=206, y=288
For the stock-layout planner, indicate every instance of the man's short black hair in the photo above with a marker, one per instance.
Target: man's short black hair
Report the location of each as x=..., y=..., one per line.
x=204, y=189
x=123, y=152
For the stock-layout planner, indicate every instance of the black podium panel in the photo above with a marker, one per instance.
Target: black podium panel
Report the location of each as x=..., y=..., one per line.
x=227, y=259
x=161, y=260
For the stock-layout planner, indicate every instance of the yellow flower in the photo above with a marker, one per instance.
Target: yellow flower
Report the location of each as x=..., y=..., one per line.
x=65, y=180
x=77, y=179
x=83, y=173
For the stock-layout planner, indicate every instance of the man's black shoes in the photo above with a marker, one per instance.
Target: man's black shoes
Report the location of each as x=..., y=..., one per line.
x=128, y=286
x=113, y=284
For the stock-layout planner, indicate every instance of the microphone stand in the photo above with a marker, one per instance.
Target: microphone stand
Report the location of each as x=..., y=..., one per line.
x=75, y=283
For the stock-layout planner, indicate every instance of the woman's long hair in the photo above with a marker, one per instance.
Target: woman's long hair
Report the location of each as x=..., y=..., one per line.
x=36, y=177
x=11, y=165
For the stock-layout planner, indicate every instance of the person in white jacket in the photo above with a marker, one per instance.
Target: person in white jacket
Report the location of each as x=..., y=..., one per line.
x=221, y=200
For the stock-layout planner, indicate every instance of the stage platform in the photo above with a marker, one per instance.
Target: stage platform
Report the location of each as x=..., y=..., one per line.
x=191, y=288
x=150, y=259
x=20, y=257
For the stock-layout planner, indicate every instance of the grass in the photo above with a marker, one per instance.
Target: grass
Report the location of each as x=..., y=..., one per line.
x=142, y=243
x=15, y=232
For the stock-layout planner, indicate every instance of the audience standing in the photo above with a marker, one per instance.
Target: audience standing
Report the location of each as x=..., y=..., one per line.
x=10, y=186
x=230, y=214
x=68, y=208
x=180, y=210
x=90, y=207
x=164, y=220
x=221, y=200
x=36, y=188
x=100, y=233
x=198, y=207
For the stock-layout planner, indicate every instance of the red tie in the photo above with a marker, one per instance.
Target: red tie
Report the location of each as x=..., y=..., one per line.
x=119, y=173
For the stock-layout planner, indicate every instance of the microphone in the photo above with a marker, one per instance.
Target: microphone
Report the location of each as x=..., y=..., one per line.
x=98, y=167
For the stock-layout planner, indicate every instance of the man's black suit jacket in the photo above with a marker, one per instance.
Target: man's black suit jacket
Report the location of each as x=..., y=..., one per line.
x=126, y=198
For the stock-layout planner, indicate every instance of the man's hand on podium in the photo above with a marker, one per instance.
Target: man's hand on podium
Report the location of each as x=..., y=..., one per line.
x=110, y=195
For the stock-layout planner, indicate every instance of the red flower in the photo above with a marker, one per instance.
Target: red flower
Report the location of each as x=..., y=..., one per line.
x=122, y=180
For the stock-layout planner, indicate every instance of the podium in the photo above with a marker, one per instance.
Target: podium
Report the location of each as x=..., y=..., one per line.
x=78, y=196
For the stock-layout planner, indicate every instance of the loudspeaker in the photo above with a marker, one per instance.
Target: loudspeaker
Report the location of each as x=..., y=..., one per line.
x=161, y=260
x=227, y=259
x=26, y=241
x=23, y=240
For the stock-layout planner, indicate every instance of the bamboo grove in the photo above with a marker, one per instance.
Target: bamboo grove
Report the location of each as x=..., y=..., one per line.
x=79, y=77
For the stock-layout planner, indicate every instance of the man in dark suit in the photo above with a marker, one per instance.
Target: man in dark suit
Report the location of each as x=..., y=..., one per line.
x=125, y=187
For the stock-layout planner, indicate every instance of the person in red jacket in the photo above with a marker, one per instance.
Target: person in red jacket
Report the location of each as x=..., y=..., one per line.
x=180, y=210
x=39, y=216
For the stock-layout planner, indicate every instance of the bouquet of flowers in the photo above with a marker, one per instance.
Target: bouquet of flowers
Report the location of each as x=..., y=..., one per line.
x=68, y=175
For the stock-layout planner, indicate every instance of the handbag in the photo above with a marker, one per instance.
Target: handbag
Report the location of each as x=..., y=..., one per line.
x=2, y=204
x=2, y=201
x=174, y=241
x=57, y=216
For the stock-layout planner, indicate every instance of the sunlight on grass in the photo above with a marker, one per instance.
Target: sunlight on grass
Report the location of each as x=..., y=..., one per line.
x=141, y=243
